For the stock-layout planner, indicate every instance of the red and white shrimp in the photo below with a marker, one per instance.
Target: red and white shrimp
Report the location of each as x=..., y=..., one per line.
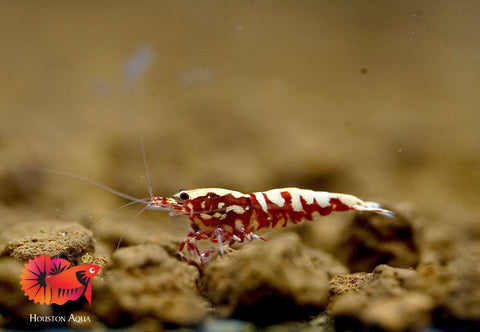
x=225, y=216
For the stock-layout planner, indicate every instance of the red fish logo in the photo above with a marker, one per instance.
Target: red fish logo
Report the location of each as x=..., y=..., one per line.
x=48, y=281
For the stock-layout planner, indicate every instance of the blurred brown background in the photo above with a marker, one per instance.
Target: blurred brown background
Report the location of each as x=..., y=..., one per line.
x=377, y=99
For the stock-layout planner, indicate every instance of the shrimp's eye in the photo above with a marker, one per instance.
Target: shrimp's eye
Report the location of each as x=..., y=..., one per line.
x=184, y=195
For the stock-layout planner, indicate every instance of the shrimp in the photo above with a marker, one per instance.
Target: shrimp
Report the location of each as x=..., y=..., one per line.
x=225, y=216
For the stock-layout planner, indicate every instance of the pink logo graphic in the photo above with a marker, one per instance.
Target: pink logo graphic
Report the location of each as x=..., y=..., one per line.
x=48, y=281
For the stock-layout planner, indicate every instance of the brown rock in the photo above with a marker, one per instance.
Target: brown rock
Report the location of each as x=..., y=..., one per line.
x=62, y=239
x=144, y=281
x=16, y=308
x=267, y=282
x=392, y=300
x=411, y=311
x=346, y=283
x=372, y=239
x=441, y=245
x=462, y=303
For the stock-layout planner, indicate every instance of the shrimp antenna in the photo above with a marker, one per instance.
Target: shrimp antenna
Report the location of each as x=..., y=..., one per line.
x=147, y=173
x=111, y=212
x=99, y=185
x=129, y=224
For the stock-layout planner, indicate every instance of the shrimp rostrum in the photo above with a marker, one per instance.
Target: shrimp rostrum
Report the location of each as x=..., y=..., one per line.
x=224, y=216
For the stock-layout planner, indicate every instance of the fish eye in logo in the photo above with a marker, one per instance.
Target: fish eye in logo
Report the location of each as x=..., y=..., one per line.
x=46, y=281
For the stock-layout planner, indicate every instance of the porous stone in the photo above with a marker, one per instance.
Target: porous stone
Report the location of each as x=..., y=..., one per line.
x=145, y=281
x=59, y=239
x=267, y=282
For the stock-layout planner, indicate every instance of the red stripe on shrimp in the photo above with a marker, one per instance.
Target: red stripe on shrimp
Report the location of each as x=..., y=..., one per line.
x=261, y=210
x=294, y=215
